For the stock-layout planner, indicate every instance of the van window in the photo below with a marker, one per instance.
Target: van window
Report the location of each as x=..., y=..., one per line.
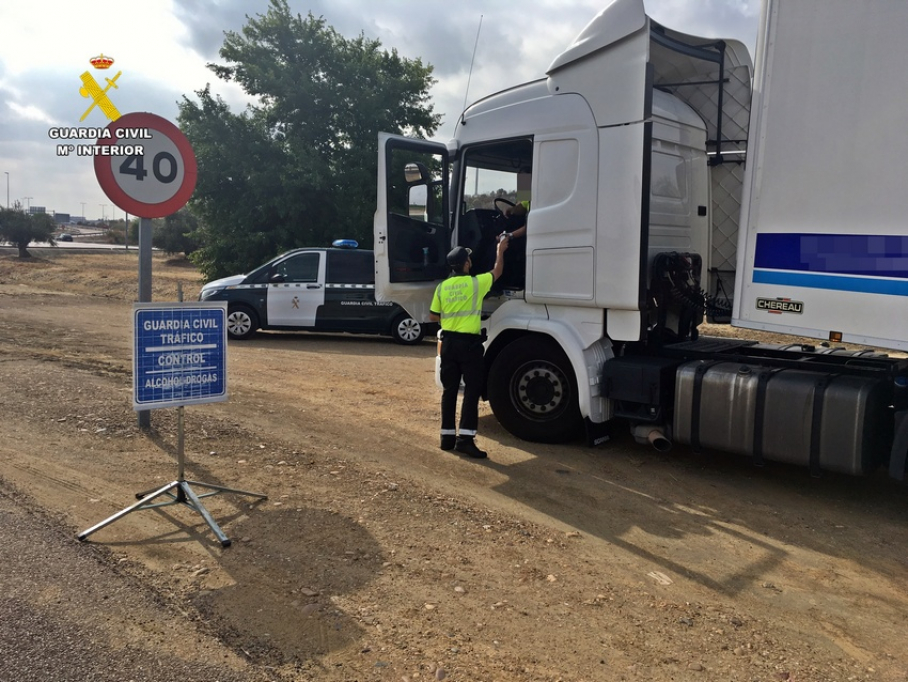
x=350, y=267
x=300, y=268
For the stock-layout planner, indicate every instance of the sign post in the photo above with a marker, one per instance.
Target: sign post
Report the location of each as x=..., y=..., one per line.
x=154, y=180
x=180, y=350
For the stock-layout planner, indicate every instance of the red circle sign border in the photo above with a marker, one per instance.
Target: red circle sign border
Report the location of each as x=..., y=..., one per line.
x=104, y=171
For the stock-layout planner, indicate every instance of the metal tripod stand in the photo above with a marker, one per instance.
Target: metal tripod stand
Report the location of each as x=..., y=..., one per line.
x=178, y=492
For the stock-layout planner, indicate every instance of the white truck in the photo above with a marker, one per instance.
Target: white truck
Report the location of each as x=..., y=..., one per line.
x=665, y=189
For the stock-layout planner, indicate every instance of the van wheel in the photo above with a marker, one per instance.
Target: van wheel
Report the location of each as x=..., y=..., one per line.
x=406, y=330
x=533, y=392
x=242, y=322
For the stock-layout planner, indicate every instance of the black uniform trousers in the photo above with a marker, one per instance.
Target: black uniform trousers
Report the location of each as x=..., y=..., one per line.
x=461, y=356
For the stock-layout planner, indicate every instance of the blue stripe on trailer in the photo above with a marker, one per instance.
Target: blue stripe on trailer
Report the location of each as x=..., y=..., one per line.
x=862, y=285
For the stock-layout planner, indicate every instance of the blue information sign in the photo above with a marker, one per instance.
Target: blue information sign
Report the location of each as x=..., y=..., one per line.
x=179, y=354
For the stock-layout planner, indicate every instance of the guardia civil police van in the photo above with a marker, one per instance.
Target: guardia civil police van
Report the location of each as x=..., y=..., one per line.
x=312, y=289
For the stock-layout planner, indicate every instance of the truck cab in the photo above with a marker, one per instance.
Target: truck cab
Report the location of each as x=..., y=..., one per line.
x=630, y=153
x=615, y=150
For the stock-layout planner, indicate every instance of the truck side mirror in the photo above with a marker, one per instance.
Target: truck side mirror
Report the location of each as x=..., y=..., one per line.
x=418, y=181
x=416, y=173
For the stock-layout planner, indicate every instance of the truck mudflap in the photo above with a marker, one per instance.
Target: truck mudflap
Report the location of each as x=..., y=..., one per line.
x=597, y=433
x=824, y=420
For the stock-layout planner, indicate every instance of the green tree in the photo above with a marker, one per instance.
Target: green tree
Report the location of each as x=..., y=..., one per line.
x=299, y=167
x=174, y=235
x=19, y=229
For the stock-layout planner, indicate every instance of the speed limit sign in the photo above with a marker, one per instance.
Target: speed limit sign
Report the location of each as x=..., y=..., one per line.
x=146, y=165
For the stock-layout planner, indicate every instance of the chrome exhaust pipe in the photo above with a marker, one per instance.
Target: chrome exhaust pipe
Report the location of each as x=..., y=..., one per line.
x=654, y=435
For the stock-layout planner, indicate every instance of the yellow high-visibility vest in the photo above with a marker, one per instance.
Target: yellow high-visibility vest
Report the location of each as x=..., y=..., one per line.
x=458, y=300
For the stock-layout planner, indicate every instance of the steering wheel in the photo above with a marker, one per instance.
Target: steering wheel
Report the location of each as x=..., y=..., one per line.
x=504, y=201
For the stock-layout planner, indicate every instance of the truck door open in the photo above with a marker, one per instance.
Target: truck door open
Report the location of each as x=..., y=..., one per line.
x=412, y=222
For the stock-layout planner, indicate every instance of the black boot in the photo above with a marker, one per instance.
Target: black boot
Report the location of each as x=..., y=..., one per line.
x=466, y=446
x=448, y=441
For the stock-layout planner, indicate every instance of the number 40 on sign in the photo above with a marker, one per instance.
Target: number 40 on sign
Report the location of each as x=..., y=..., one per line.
x=163, y=165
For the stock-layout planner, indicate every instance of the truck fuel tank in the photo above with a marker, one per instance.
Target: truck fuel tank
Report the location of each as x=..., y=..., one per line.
x=836, y=422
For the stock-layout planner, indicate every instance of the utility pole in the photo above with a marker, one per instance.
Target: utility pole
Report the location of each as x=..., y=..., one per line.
x=29, y=204
x=7, y=188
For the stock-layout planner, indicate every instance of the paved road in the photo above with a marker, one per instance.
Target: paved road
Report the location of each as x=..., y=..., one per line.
x=62, y=604
x=81, y=245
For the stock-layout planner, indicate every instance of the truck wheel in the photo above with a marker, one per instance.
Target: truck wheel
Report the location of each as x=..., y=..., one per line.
x=406, y=330
x=533, y=392
x=242, y=322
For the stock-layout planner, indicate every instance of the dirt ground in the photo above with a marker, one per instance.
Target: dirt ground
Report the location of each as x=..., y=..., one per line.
x=376, y=556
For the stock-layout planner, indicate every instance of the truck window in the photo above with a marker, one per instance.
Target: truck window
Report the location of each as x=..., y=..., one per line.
x=415, y=191
x=499, y=170
x=669, y=179
x=502, y=169
x=417, y=220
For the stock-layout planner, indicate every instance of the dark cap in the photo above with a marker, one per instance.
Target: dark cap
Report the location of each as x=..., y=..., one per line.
x=458, y=256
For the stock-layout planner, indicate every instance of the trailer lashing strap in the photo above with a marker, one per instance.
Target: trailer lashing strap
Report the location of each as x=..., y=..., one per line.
x=696, y=399
x=760, y=413
x=816, y=422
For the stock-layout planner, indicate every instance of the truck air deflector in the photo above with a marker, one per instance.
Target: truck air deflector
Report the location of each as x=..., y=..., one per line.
x=713, y=78
x=617, y=21
x=710, y=52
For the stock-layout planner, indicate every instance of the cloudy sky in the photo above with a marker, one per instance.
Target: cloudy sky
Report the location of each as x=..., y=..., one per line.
x=162, y=48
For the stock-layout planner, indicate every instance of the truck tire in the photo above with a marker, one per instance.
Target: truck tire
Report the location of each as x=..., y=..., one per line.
x=406, y=330
x=242, y=322
x=533, y=392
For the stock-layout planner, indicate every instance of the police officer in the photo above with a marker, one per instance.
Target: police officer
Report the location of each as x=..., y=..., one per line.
x=458, y=304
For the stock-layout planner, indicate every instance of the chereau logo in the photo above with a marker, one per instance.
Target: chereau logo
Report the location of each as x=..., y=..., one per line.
x=777, y=306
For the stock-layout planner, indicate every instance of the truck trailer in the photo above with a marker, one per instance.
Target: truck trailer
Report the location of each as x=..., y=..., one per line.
x=671, y=183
